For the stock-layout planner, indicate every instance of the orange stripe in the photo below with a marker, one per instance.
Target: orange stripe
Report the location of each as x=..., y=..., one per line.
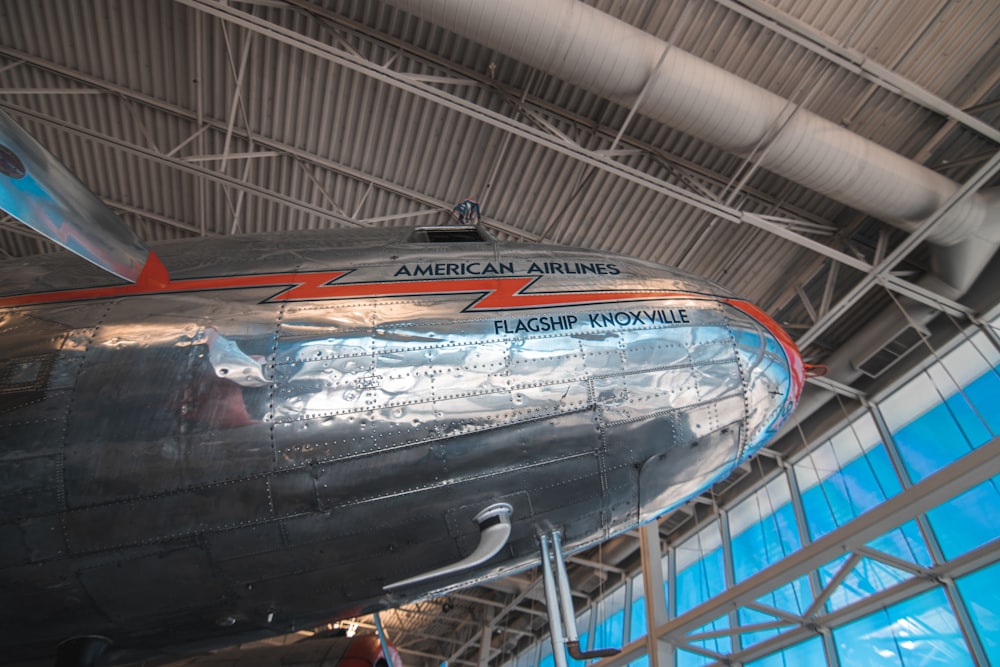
x=148, y=287
x=498, y=293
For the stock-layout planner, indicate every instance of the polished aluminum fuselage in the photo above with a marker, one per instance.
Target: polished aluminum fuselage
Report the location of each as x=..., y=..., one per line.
x=255, y=453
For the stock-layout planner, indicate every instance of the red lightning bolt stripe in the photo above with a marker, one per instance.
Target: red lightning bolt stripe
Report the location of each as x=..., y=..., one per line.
x=496, y=294
x=499, y=293
x=303, y=281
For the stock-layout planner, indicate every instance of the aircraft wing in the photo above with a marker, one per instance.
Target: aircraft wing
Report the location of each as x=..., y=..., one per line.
x=39, y=191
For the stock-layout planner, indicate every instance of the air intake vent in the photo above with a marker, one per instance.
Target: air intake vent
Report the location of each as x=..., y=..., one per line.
x=451, y=234
x=883, y=358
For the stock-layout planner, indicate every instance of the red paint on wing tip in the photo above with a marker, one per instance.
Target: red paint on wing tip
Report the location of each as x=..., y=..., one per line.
x=154, y=275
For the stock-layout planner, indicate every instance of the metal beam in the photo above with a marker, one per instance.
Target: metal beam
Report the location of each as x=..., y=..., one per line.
x=511, y=606
x=661, y=653
x=50, y=91
x=970, y=470
x=976, y=559
x=853, y=61
x=520, y=97
x=402, y=632
x=182, y=165
x=588, y=157
x=204, y=124
x=881, y=274
x=410, y=85
x=974, y=468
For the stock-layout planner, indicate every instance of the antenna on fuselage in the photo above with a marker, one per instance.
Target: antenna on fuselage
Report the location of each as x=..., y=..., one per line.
x=467, y=213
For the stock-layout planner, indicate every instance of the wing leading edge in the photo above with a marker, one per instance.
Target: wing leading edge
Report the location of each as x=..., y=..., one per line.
x=39, y=191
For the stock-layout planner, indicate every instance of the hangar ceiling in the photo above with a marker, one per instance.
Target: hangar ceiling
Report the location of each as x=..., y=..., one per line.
x=197, y=118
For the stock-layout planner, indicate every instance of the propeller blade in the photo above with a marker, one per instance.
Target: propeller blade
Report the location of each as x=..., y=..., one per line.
x=39, y=191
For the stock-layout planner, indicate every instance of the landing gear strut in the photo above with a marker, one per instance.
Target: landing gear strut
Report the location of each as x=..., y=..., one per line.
x=562, y=618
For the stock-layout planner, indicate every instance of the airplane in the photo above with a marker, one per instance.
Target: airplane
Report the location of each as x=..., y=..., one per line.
x=233, y=438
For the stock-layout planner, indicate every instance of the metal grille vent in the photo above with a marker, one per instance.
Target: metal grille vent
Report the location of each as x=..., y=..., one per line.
x=897, y=348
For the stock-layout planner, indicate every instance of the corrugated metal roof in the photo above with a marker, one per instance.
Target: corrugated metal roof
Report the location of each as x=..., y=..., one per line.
x=156, y=105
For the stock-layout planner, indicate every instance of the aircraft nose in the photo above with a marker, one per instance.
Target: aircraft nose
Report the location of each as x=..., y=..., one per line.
x=773, y=372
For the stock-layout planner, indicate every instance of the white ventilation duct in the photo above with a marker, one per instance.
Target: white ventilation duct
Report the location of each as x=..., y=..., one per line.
x=595, y=51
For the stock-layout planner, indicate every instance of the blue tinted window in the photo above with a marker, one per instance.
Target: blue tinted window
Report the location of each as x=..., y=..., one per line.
x=700, y=573
x=689, y=659
x=719, y=645
x=794, y=597
x=937, y=438
x=608, y=633
x=845, y=476
x=920, y=631
x=867, y=577
x=981, y=592
x=753, y=617
x=906, y=543
x=968, y=520
x=637, y=624
x=609, y=626
x=763, y=529
x=947, y=410
x=984, y=396
x=806, y=654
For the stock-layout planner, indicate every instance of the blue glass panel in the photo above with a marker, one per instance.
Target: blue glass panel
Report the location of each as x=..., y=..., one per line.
x=904, y=542
x=860, y=485
x=763, y=530
x=640, y=662
x=794, y=597
x=920, y=631
x=981, y=592
x=931, y=442
x=808, y=653
x=968, y=520
x=701, y=581
x=867, y=577
x=765, y=543
x=609, y=633
x=984, y=393
x=688, y=659
x=721, y=645
x=753, y=617
x=951, y=428
x=637, y=624
x=547, y=661
x=704, y=578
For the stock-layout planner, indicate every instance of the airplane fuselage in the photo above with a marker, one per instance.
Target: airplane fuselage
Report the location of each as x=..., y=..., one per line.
x=293, y=423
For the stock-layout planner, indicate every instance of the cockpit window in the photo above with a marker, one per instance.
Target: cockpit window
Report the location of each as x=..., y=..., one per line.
x=448, y=235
